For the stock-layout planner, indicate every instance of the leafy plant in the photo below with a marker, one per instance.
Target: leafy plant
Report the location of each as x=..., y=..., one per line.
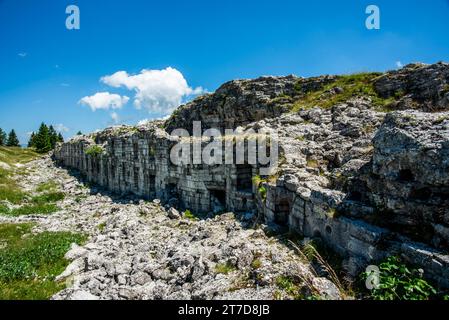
x=397, y=281
x=189, y=215
x=263, y=192
x=94, y=150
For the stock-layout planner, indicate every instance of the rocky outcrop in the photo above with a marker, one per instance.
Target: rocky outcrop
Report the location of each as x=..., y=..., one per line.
x=367, y=183
x=417, y=86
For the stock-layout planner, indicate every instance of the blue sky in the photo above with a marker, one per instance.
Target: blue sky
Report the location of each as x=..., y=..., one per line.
x=47, y=69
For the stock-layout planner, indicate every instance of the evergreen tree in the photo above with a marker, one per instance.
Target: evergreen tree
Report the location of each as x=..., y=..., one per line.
x=32, y=141
x=2, y=137
x=13, y=141
x=60, y=137
x=79, y=133
x=42, y=140
x=53, y=136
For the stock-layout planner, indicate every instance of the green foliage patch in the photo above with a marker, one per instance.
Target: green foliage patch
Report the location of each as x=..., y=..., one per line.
x=350, y=86
x=30, y=262
x=94, y=150
x=398, y=281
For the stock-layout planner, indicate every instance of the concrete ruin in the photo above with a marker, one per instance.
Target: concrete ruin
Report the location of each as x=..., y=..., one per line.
x=369, y=183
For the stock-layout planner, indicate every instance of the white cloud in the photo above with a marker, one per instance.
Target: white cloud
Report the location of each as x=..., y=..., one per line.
x=65, y=84
x=61, y=128
x=104, y=100
x=156, y=90
x=115, y=117
x=145, y=121
x=22, y=54
x=399, y=64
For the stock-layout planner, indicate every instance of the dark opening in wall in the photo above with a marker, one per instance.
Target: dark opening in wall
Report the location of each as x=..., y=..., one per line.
x=422, y=194
x=219, y=195
x=355, y=196
x=282, y=212
x=172, y=190
x=328, y=229
x=406, y=175
x=244, y=177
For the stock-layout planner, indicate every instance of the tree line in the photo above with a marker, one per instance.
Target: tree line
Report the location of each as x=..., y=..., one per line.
x=9, y=140
x=44, y=140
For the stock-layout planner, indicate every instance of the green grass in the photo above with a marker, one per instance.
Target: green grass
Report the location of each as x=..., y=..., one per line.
x=30, y=262
x=289, y=286
x=256, y=264
x=48, y=198
x=47, y=187
x=13, y=155
x=32, y=209
x=9, y=189
x=356, y=85
x=224, y=268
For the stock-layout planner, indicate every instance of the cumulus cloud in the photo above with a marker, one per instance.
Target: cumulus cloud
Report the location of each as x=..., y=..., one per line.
x=399, y=64
x=61, y=128
x=115, y=117
x=104, y=100
x=155, y=90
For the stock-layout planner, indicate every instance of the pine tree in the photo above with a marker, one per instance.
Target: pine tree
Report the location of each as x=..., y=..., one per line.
x=13, y=141
x=79, y=133
x=53, y=136
x=2, y=137
x=43, y=143
x=60, y=137
x=32, y=141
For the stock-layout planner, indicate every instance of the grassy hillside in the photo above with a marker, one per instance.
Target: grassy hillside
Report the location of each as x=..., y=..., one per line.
x=29, y=262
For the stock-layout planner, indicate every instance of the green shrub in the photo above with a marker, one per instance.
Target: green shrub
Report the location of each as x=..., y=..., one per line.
x=189, y=215
x=397, y=281
x=224, y=268
x=94, y=150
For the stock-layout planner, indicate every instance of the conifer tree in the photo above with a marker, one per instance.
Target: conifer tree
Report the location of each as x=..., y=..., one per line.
x=42, y=142
x=79, y=133
x=13, y=141
x=60, y=137
x=53, y=136
x=2, y=137
x=32, y=141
